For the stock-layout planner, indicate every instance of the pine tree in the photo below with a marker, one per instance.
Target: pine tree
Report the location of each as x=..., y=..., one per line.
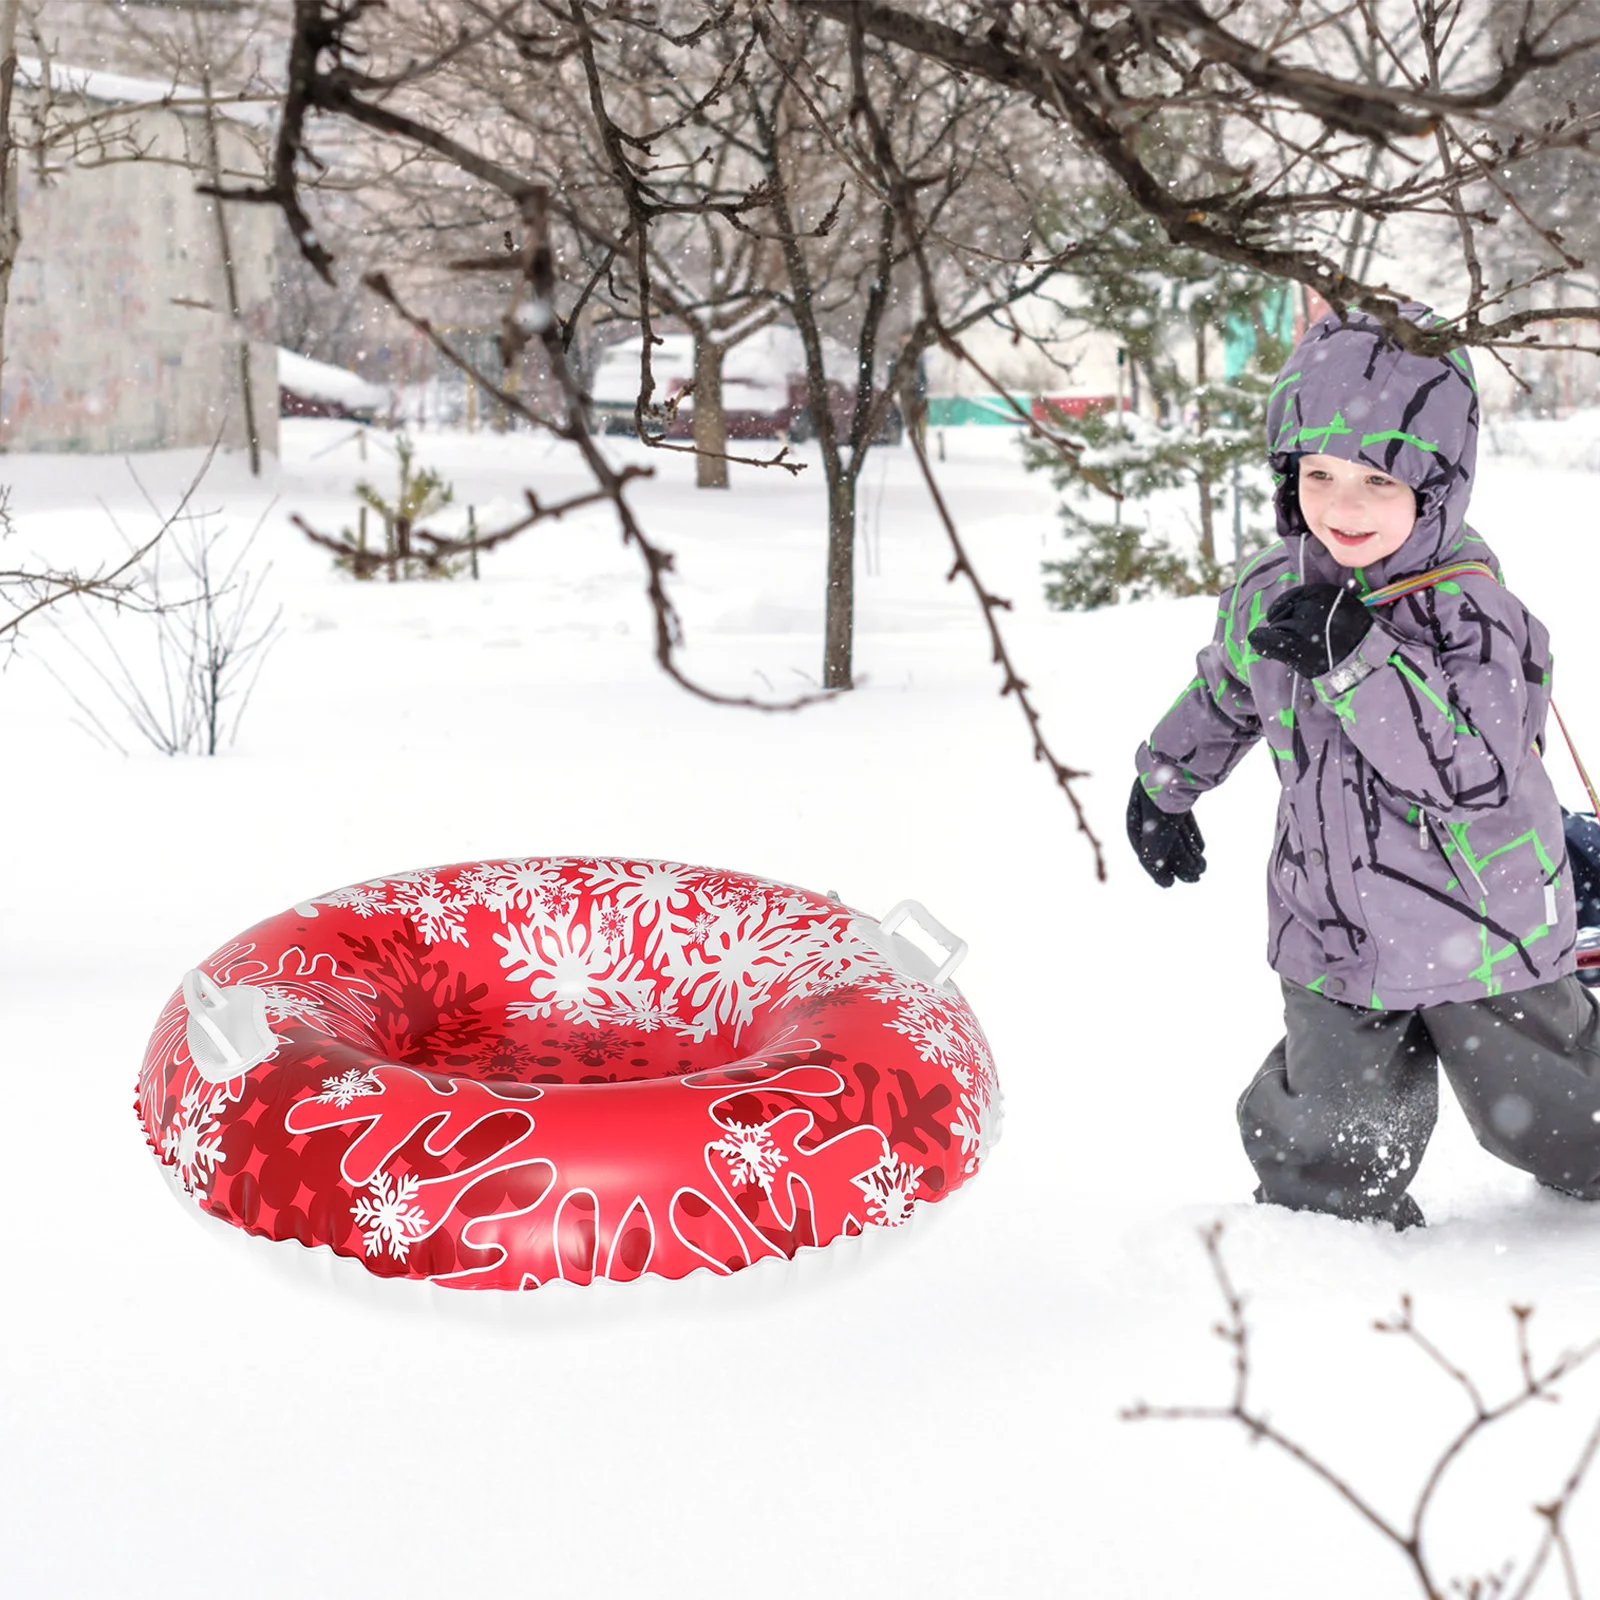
x=1200, y=340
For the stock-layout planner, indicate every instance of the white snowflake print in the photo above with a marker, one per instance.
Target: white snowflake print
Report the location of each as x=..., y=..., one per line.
x=388, y=1220
x=364, y=899
x=656, y=892
x=752, y=1156
x=637, y=1018
x=284, y=1005
x=193, y=1144
x=567, y=966
x=354, y=1084
x=507, y=886
x=971, y=1127
x=889, y=1187
x=437, y=910
x=829, y=956
x=937, y=1033
x=731, y=974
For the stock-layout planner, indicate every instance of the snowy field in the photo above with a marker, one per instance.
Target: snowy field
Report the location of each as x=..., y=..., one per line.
x=187, y=1415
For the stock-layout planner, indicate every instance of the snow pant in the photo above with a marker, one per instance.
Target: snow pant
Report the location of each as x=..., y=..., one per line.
x=1342, y=1109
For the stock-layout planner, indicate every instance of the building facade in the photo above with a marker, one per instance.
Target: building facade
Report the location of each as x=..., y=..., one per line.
x=138, y=318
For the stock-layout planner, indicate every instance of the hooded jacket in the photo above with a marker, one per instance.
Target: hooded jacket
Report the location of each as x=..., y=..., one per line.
x=1419, y=855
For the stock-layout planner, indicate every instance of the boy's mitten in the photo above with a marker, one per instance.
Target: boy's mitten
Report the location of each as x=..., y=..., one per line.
x=1312, y=628
x=1168, y=845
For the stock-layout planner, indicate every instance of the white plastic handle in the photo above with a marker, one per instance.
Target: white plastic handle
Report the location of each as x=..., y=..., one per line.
x=228, y=1028
x=202, y=996
x=914, y=910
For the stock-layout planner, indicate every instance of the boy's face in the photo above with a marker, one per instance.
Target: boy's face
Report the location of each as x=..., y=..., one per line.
x=1358, y=514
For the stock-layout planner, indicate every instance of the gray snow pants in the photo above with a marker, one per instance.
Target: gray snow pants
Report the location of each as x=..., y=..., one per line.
x=1341, y=1111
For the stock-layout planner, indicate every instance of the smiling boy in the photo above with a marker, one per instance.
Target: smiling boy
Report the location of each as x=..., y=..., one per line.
x=1420, y=901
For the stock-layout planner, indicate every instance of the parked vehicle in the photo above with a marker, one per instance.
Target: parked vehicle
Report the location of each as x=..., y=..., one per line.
x=308, y=388
x=764, y=390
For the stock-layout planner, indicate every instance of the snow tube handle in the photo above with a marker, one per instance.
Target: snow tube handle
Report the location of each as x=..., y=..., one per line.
x=228, y=1032
x=915, y=911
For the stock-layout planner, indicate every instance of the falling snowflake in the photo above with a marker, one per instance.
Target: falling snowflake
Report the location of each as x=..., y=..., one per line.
x=388, y=1220
x=352, y=1085
x=752, y=1156
x=364, y=899
x=436, y=910
x=193, y=1144
x=889, y=1188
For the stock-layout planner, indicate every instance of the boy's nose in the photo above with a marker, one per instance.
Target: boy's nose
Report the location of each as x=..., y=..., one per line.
x=1347, y=497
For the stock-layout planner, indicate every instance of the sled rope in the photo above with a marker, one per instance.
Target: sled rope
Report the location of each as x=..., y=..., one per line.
x=1426, y=580
x=1461, y=569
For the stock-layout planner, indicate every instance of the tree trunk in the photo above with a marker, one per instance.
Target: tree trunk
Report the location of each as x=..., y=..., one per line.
x=230, y=281
x=1208, y=539
x=839, y=612
x=839, y=633
x=710, y=425
x=10, y=231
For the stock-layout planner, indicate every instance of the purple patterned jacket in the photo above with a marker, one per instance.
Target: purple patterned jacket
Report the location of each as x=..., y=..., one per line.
x=1419, y=855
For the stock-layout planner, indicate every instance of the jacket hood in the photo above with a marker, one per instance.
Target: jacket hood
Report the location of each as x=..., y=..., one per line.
x=1347, y=392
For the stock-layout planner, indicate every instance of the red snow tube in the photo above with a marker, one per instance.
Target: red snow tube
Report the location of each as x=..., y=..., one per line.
x=501, y=1073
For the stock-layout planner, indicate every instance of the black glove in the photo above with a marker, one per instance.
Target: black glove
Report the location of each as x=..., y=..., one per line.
x=1313, y=628
x=1168, y=845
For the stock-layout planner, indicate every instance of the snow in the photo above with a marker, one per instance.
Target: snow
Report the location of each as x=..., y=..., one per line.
x=184, y=1410
x=320, y=380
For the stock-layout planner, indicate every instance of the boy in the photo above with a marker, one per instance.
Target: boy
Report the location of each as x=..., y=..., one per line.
x=1421, y=905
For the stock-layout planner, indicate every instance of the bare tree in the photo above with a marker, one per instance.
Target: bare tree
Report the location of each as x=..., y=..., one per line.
x=875, y=123
x=1536, y=1383
x=10, y=233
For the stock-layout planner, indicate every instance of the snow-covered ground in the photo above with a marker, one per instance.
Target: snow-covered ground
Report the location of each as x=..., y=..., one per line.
x=181, y=1417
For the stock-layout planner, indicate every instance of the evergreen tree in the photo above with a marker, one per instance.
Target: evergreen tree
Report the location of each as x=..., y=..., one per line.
x=1200, y=341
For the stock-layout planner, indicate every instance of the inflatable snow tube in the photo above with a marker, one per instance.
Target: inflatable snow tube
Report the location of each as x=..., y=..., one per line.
x=505, y=1073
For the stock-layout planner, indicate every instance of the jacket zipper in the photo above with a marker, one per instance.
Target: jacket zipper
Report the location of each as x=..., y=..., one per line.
x=1425, y=831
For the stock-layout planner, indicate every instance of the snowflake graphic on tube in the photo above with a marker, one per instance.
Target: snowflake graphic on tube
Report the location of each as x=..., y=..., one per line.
x=731, y=974
x=937, y=1034
x=889, y=1187
x=971, y=1126
x=656, y=892
x=830, y=956
x=644, y=1018
x=284, y=1005
x=751, y=1154
x=567, y=966
x=507, y=886
x=364, y=899
x=436, y=910
x=389, y=1221
x=193, y=1144
x=355, y=1084
x=612, y=923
